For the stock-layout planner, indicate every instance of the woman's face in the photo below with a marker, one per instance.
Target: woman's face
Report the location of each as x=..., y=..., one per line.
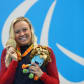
x=22, y=33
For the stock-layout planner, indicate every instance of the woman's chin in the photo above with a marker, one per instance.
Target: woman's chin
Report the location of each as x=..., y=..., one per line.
x=23, y=43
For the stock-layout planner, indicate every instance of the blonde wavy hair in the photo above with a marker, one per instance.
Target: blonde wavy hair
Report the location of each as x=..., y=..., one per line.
x=11, y=32
x=11, y=41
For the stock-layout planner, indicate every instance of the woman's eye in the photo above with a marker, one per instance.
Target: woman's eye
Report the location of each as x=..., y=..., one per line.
x=17, y=32
x=25, y=30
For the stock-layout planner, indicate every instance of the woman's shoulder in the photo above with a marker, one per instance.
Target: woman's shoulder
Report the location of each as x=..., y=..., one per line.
x=3, y=52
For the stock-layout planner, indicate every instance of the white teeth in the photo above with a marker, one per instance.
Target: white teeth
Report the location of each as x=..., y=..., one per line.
x=22, y=39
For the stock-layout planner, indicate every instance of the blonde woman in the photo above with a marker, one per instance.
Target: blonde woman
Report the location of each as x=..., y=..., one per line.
x=22, y=41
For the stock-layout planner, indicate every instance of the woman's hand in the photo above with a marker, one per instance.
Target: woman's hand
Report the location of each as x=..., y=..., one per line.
x=12, y=53
x=35, y=69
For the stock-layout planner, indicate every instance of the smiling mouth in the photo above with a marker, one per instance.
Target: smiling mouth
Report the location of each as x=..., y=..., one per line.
x=23, y=39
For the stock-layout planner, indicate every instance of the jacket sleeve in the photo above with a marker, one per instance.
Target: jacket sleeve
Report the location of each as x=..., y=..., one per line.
x=51, y=77
x=7, y=74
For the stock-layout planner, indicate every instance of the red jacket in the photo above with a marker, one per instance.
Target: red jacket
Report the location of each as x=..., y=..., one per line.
x=7, y=74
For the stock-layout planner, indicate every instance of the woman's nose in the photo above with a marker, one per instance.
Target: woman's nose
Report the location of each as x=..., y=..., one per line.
x=21, y=33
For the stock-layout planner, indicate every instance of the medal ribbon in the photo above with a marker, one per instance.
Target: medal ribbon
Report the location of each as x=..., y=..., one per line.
x=25, y=53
